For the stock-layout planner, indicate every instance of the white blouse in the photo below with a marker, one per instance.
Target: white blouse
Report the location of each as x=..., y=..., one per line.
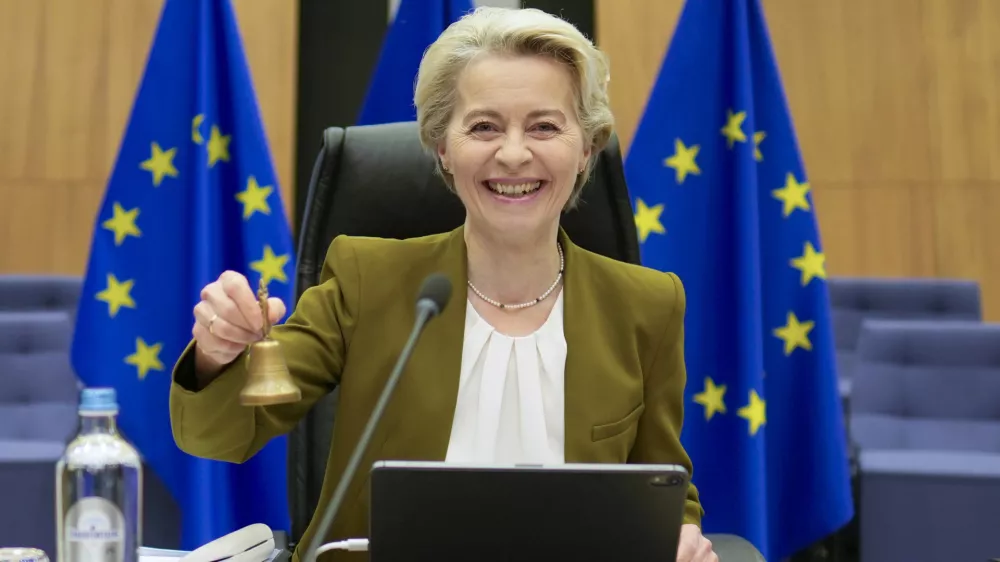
x=510, y=394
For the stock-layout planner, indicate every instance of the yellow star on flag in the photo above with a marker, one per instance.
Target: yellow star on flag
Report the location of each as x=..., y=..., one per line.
x=271, y=266
x=254, y=198
x=122, y=223
x=792, y=196
x=732, y=130
x=795, y=334
x=683, y=160
x=160, y=163
x=117, y=295
x=218, y=147
x=712, y=398
x=811, y=263
x=758, y=137
x=755, y=412
x=146, y=357
x=196, y=129
x=647, y=219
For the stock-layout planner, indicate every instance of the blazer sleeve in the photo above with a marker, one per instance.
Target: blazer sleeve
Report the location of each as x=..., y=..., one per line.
x=211, y=423
x=658, y=438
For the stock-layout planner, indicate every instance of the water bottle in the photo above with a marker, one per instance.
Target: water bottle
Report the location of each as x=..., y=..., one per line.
x=98, y=488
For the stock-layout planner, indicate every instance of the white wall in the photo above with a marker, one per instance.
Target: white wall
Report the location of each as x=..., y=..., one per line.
x=394, y=5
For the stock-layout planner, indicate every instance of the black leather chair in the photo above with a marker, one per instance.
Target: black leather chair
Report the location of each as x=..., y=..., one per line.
x=376, y=180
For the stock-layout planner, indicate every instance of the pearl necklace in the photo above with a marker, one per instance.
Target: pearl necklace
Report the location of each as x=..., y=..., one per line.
x=562, y=267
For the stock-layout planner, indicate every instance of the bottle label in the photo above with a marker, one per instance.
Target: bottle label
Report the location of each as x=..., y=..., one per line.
x=95, y=531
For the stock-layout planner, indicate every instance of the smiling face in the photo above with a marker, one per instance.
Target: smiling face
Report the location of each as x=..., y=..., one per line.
x=514, y=146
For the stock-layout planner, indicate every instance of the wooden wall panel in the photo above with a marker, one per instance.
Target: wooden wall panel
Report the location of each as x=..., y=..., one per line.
x=634, y=34
x=70, y=70
x=896, y=105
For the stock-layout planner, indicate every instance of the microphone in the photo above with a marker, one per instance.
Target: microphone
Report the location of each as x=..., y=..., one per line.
x=434, y=295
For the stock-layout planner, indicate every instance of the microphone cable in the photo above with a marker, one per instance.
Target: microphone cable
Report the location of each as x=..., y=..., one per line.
x=356, y=545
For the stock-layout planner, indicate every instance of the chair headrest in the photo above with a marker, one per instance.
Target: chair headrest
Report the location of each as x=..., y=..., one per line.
x=377, y=180
x=930, y=342
x=26, y=292
x=907, y=297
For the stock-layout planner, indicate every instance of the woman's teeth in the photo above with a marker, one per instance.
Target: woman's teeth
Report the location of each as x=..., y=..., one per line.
x=514, y=189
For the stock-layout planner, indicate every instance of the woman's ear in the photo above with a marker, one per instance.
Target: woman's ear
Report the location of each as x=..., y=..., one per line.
x=442, y=156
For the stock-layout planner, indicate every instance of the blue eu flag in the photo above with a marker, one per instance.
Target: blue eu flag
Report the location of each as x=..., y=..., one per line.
x=721, y=197
x=417, y=24
x=193, y=193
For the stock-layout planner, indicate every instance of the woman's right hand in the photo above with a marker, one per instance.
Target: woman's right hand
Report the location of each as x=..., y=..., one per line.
x=227, y=320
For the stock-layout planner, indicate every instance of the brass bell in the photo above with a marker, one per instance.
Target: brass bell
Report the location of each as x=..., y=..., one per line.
x=268, y=380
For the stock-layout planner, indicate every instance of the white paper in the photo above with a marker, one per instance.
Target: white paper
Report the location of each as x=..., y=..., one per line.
x=147, y=554
x=146, y=551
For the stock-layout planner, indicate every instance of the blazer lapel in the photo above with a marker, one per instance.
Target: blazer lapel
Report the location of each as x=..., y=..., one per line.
x=417, y=424
x=423, y=405
x=587, y=357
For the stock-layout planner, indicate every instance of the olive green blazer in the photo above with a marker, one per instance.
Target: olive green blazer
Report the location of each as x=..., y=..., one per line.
x=624, y=376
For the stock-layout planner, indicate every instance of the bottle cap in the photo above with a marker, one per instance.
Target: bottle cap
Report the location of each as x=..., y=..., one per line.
x=98, y=400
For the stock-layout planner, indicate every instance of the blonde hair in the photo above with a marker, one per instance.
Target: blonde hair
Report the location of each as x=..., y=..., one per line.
x=505, y=31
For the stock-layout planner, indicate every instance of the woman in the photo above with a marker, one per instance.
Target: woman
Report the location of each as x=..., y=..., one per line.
x=556, y=354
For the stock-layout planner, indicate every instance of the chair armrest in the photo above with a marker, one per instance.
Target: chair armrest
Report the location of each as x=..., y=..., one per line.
x=732, y=548
x=928, y=505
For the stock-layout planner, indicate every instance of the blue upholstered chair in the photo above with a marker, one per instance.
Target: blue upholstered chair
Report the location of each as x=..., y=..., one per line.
x=38, y=397
x=926, y=426
x=39, y=393
x=854, y=299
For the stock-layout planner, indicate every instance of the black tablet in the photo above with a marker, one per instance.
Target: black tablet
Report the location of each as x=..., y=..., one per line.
x=580, y=512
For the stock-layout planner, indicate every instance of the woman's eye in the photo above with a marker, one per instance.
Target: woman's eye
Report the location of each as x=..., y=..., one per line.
x=481, y=127
x=547, y=127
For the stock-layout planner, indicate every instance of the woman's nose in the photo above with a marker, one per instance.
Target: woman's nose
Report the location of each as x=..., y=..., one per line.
x=514, y=153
